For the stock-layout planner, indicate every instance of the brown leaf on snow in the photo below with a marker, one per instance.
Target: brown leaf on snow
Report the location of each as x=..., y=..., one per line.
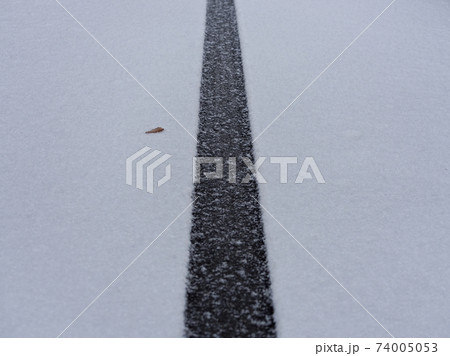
x=155, y=130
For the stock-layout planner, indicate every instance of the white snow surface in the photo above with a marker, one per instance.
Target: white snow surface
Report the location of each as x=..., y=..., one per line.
x=70, y=118
x=376, y=123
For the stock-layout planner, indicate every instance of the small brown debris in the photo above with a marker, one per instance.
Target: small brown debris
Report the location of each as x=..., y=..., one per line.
x=155, y=130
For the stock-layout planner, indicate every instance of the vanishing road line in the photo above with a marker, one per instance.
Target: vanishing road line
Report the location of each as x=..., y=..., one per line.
x=229, y=290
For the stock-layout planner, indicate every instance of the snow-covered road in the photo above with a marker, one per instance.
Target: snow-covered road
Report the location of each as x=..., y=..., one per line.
x=376, y=123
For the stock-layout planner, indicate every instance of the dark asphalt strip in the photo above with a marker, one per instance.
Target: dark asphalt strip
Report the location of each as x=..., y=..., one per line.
x=228, y=291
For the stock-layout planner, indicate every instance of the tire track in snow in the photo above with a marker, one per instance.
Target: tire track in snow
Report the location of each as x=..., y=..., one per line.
x=228, y=290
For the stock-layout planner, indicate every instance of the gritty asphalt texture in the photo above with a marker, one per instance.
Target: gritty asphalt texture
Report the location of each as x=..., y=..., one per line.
x=228, y=289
